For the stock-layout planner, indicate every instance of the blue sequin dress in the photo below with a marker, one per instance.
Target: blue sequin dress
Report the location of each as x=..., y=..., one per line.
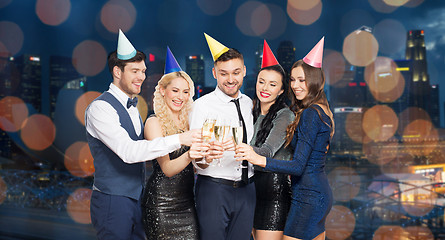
x=311, y=193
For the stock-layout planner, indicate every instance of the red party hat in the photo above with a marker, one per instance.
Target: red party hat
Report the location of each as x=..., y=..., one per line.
x=268, y=57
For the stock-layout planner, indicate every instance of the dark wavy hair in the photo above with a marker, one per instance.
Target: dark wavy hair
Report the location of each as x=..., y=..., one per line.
x=266, y=125
x=315, y=81
x=114, y=61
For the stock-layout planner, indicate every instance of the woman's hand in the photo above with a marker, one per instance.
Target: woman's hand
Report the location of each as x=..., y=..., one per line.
x=198, y=149
x=187, y=138
x=228, y=145
x=216, y=151
x=246, y=152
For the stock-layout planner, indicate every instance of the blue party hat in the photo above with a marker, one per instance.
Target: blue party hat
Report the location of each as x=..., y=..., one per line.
x=171, y=65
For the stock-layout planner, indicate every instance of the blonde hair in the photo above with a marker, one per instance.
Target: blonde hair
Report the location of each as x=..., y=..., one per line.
x=161, y=109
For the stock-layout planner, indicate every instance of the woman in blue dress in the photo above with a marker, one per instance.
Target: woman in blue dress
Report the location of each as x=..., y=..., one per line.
x=310, y=135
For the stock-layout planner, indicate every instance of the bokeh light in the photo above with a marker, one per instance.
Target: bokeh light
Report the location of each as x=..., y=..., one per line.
x=13, y=112
x=11, y=35
x=383, y=186
x=385, y=83
x=381, y=153
x=415, y=137
x=333, y=66
x=409, y=115
x=303, y=4
x=214, y=7
x=419, y=233
x=418, y=197
x=353, y=127
x=380, y=123
x=390, y=232
x=413, y=3
x=345, y=183
x=38, y=132
x=340, y=223
x=396, y=3
x=82, y=103
x=354, y=19
x=86, y=160
x=381, y=6
x=4, y=3
x=53, y=12
x=89, y=58
x=278, y=22
x=304, y=17
x=3, y=189
x=391, y=35
x=400, y=164
x=78, y=160
x=142, y=108
x=360, y=48
x=253, y=18
x=78, y=205
x=117, y=14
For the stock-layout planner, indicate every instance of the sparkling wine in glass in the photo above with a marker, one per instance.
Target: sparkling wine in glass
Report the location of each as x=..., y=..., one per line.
x=221, y=130
x=237, y=133
x=207, y=133
x=207, y=129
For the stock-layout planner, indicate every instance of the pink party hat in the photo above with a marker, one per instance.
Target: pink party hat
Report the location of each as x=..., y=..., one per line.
x=268, y=57
x=315, y=56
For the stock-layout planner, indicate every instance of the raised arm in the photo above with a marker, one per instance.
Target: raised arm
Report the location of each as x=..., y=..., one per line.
x=170, y=167
x=307, y=131
x=102, y=122
x=277, y=135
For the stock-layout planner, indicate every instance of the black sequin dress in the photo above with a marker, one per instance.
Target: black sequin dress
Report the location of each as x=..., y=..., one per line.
x=273, y=190
x=168, y=205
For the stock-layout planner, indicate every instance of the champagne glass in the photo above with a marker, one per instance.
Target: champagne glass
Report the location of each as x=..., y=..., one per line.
x=207, y=132
x=221, y=130
x=237, y=133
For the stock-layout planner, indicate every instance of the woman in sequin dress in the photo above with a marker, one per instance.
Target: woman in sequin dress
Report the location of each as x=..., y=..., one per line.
x=271, y=117
x=168, y=205
x=310, y=134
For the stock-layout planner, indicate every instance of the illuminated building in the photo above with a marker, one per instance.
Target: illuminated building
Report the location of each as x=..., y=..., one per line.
x=416, y=51
x=62, y=75
x=286, y=55
x=194, y=65
x=29, y=89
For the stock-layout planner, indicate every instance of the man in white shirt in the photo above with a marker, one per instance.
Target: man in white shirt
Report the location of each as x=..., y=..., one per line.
x=225, y=203
x=115, y=137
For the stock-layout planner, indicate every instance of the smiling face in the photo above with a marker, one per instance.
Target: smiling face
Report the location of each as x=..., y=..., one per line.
x=176, y=94
x=130, y=80
x=269, y=86
x=298, y=83
x=229, y=76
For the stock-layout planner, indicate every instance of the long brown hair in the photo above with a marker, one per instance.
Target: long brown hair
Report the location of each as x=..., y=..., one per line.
x=315, y=81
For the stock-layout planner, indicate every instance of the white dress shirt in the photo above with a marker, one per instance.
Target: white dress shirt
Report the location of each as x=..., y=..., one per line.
x=102, y=122
x=218, y=104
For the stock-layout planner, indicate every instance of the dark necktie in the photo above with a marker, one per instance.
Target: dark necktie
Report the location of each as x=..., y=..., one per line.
x=244, y=172
x=132, y=102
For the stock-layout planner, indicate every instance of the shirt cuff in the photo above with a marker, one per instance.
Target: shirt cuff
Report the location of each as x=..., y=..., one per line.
x=174, y=139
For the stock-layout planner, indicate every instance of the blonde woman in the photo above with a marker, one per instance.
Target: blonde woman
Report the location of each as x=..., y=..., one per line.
x=168, y=201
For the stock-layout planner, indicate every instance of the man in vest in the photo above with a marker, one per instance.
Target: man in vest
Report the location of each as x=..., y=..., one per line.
x=115, y=137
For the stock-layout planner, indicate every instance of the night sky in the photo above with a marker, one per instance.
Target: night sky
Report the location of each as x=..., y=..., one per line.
x=27, y=27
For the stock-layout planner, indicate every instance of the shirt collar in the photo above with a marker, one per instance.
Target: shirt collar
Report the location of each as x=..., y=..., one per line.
x=223, y=97
x=119, y=94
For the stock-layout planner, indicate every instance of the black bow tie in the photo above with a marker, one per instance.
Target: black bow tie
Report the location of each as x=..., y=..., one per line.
x=132, y=102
